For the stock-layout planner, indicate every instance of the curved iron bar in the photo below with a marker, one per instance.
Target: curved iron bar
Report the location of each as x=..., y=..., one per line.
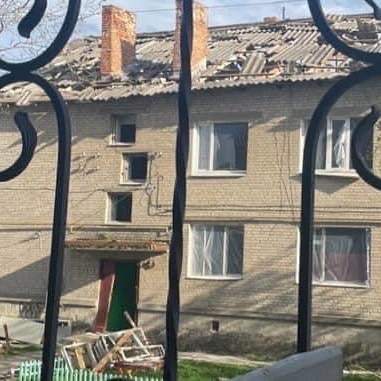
x=308, y=189
x=331, y=37
x=22, y=72
x=179, y=198
x=54, y=48
x=376, y=9
x=29, y=142
x=358, y=160
x=33, y=18
x=60, y=206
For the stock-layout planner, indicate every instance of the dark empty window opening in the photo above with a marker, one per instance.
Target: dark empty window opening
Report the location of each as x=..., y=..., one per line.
x=127, y=133
x=135, y=168
x=120, y=207
x=215, y=326
x=124, y=129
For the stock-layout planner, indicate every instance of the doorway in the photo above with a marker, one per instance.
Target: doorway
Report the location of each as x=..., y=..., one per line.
x=118, y=293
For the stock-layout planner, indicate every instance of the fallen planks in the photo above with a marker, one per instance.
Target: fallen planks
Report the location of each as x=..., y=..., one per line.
x=108, y=358
x=120, y=351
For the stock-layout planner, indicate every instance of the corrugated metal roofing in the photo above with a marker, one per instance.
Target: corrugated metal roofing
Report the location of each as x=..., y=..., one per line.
x=238, y=55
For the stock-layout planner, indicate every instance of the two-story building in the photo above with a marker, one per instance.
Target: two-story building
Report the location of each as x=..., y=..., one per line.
x=255, y=87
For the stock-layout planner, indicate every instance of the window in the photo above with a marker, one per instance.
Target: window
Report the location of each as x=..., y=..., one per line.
x=221, y=148
x=216, y=251
x=333, y=150
x=134, y=168
x=120, y=206
x=341, y=255
x=124, y=129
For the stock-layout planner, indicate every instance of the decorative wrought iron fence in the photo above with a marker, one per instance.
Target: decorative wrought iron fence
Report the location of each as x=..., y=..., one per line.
x=26, y=72
x=309, y=157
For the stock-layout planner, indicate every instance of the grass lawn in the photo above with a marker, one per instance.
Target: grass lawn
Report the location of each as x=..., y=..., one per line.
x=203, y=371
x=18, y=350
x=199, y=371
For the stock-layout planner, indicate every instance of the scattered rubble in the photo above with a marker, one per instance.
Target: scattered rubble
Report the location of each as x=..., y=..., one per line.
x=122, y=352
x=238, y=55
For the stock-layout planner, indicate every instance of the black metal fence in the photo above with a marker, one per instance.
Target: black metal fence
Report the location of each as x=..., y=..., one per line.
x=309, y=157
x=26, y=72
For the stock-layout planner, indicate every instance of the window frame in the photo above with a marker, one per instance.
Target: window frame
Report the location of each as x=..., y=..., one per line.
x=338, y=284
x=226, y=277
x=116, y=121
x=109, y=208
x=210, y=124
x=329, y=170
x=126, y=167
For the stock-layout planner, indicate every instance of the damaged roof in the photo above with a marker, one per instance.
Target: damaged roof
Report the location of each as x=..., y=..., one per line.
x=238, y=55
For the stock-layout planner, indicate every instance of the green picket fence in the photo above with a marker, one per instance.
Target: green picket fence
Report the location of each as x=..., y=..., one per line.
x=31, y=371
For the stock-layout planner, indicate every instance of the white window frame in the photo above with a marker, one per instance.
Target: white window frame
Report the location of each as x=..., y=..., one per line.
x=328, y=158
x=196, y=150
x=334, y=283
x=116, y=121
x=109, y=209
x=224, y=276
x=126, y=169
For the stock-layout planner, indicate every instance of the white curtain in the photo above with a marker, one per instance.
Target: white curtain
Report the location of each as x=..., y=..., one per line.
x=337, y=257
x=210, y=256
x=321, y=150
x=317, y=256
x=339, y=144
x=340, y=255
x=214, y=251
x=321, y=147
x=204, y=133
x=224, y=149
x=208, y=246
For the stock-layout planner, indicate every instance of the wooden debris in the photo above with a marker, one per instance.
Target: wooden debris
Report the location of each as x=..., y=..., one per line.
x=7, y=339
x=126, y=338
x=125, y=351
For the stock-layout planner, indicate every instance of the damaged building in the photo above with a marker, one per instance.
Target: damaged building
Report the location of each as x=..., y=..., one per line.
x=255, y=87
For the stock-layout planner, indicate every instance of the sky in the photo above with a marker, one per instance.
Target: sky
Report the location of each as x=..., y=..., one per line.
x=238, y=11
x=154, y=15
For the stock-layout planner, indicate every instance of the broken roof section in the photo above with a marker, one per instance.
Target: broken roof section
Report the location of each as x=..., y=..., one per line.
x=239, y=55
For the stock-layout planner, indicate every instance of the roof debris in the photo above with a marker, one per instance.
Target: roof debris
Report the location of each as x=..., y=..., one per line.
x=238, y=55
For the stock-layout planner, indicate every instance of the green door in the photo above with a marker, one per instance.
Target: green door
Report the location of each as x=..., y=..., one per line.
x=124, y=296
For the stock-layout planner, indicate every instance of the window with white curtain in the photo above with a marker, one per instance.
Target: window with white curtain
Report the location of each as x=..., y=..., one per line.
x=216, y=251
x=333, y=150
x=341, y=256
x=221, y=148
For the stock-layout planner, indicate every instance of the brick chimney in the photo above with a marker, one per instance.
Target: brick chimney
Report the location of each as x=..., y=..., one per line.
x=118, y=41
x=200, y=37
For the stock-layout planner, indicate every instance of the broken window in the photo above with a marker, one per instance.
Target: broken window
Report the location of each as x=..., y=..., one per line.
x=333, y=150
x=221, y=147
x=135, y=168
x=216, y=251
x=120, y=207
x=124, y=129
x=341, y=255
